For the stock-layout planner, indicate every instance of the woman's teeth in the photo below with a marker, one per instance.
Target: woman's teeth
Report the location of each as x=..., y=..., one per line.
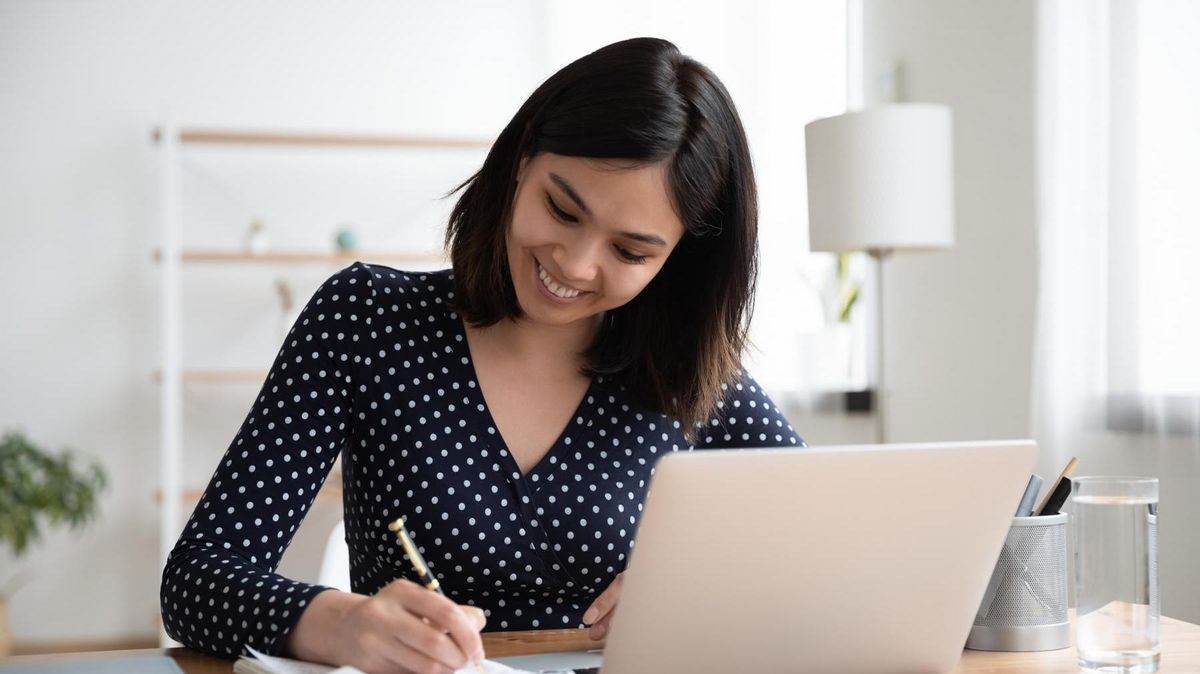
x=560, y=291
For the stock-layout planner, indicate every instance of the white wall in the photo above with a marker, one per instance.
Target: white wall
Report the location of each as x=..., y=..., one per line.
x=83, y=84
x=960, y=323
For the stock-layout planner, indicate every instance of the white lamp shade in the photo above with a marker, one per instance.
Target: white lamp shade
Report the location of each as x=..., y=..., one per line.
x=881, y=179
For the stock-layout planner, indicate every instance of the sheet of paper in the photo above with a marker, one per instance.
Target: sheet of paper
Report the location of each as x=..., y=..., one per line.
x=276, y=665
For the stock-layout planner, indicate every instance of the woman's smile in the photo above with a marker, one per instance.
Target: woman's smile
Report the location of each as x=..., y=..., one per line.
x=552, y=288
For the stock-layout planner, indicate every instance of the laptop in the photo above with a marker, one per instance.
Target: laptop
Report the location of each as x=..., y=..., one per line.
x=868, y=558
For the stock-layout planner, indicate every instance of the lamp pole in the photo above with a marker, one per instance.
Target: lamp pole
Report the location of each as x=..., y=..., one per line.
x=879, y=255
x=881, y=180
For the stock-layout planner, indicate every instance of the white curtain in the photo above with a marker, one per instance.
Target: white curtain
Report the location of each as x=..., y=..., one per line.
x=1117, y=359
x=1118, y=351
x=1074, y=207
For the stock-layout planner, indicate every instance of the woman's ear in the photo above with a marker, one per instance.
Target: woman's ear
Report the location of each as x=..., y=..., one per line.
x=522, y=167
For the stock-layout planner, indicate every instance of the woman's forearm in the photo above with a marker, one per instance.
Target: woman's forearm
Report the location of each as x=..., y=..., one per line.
x=315, y=635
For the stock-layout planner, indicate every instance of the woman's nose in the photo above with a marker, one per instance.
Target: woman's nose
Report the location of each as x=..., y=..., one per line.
x=579, y=261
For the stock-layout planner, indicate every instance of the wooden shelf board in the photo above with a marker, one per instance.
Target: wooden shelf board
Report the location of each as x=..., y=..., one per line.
x=305, y=257
x=251, y=137
x=218, y=376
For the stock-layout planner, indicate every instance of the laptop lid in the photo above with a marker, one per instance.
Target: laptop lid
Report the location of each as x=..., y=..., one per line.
x=857, y=558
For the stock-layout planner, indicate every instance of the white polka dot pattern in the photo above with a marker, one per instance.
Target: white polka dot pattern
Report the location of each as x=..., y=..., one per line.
x=377, y=368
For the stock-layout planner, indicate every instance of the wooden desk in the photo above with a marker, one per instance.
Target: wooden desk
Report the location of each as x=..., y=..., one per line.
x=1180, y=653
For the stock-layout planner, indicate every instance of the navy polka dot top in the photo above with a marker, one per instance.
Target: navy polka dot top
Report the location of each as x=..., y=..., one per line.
x=377, y=369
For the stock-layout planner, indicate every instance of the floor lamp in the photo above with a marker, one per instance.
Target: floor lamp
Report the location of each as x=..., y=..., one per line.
x=881, y=180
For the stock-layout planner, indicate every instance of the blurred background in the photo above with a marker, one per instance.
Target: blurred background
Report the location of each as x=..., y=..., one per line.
x=265, y=145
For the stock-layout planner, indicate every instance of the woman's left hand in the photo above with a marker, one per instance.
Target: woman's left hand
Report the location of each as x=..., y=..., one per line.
x=600, y=613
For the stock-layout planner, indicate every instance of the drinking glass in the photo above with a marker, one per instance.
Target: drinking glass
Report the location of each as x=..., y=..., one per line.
x=1115, y=521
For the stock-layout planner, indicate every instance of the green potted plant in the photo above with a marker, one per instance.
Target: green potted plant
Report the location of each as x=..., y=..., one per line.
x=39, y=488
x=848, y=288
x=840, y=293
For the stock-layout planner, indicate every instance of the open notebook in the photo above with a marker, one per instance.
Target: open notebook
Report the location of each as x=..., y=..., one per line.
x=268, y=664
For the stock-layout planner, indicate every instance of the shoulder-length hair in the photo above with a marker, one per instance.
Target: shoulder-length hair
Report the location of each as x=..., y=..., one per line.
x=682, y=337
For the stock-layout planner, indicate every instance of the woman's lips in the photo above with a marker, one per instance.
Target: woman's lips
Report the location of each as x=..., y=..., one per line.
x=538, y=271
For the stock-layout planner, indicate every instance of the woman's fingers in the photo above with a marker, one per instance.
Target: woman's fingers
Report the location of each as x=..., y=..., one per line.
x=410, y=659
x=446, y=616
x=476, y=615
x=429, y=640
x=388, y=656
x=600, y=628
x=601, y=610
x=402, y=629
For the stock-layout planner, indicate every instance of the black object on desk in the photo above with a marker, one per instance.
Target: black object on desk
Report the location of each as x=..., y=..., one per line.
x=1057, y=498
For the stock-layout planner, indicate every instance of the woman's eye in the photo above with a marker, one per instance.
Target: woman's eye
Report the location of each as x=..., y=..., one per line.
x=636, y=259
x=558, y=212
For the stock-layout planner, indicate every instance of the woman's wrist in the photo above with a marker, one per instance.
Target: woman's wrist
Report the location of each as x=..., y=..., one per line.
x=314, y=638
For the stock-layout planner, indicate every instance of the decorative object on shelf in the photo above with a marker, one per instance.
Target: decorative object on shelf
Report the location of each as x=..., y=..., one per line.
x=36, y=488
x=346, y=240
x=881, y=180
x=256, y=237
x=286, y=303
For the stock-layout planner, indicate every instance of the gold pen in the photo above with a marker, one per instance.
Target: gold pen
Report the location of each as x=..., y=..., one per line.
x=424, y=575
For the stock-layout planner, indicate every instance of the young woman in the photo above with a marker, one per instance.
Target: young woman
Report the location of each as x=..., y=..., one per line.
x=511, y=409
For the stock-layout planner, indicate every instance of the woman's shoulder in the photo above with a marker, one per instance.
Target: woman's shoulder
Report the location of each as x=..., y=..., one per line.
x=389, y=289
x=400, y=282
x=746, y=416
x=367, y=292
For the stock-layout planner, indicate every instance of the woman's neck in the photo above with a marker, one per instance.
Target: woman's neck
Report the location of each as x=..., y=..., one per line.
x=528, y=341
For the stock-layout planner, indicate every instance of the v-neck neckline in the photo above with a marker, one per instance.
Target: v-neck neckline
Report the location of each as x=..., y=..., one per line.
x=535, y=471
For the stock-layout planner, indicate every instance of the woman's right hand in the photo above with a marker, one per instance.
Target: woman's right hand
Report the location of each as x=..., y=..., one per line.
x=402, y=629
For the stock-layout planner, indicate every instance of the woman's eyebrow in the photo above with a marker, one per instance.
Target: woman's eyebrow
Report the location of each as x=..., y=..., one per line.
x=570, y=192
x=566, y=187
x=645, y=238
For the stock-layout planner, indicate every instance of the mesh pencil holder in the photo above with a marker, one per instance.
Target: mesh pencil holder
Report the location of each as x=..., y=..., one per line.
x=1025, y=605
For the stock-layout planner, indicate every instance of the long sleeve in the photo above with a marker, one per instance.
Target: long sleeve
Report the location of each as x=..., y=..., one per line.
x=219, y=588
x=746, y=417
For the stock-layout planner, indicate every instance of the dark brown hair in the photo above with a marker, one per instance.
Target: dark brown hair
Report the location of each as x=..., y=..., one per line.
x=682, y=337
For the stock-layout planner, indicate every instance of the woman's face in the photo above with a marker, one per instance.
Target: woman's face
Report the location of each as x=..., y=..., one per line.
x=587, y=235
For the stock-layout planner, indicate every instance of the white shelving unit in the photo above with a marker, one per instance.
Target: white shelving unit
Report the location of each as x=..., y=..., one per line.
x=172, y=257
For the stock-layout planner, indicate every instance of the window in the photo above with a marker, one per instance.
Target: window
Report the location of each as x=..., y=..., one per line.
x=1154, y=240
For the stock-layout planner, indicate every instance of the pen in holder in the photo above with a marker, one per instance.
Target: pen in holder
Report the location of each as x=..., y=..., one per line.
x=1025, y=605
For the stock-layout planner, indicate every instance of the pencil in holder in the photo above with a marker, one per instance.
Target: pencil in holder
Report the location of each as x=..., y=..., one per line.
x=1025, y=605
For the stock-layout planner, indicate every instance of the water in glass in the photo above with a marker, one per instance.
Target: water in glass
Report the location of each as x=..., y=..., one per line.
x=1116, y=576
